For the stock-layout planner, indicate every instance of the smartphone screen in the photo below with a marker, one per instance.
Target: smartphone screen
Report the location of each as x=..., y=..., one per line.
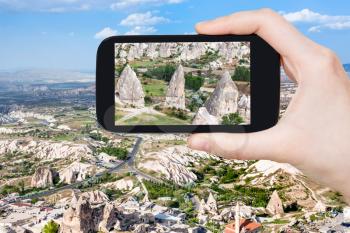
x=182, y=83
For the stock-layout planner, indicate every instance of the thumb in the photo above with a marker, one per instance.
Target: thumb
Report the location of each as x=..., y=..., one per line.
x=243, y=146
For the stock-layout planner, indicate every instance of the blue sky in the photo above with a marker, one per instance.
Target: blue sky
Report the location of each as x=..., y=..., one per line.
x=65, y=34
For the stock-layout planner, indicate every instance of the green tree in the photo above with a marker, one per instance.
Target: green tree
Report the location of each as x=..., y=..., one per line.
x=21, y=187
x=51, y=227
x=193, y=82
x=162, y=72
x=242, y=73
x=118, y=152
x=232, y=119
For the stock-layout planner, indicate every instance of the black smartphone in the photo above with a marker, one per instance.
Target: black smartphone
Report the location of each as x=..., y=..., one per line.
x=187, y=84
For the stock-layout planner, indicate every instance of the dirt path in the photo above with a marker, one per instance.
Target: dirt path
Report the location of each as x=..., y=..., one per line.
x=313, y=194
x=132, y=112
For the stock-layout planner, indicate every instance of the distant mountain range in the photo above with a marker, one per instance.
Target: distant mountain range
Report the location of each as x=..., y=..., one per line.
x=66, y=76
x=47, y=76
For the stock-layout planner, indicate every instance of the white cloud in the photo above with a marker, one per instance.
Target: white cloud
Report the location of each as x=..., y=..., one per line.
x=122, y=4
x=141, y=30
x=321, y=21
x=60, y=6
x=143, y=19
x=105, y=33
x=332, y=26
x=315, y=29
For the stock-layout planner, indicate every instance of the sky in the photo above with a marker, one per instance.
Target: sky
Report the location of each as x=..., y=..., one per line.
x=65, y=34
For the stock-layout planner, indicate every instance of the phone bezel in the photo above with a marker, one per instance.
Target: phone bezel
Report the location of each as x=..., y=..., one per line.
x=265, y=85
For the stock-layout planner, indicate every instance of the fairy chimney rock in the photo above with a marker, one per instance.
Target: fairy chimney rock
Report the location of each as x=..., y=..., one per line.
x=175, y=96
x=43, y=178
x=164, y=50
x=275, y=207
x=129, y=89
x=211, y=204
x=203, y=117
x=224, y=98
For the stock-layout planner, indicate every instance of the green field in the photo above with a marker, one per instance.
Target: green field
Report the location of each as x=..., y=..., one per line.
x=149, y=119
x=154, y=87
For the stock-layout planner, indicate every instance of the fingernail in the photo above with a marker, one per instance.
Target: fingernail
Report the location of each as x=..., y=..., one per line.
x=198, y=142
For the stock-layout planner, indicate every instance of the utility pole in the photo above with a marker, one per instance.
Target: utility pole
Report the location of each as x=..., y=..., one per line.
x=237, y=219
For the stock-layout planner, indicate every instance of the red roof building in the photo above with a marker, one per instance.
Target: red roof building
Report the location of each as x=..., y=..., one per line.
x=246, y=225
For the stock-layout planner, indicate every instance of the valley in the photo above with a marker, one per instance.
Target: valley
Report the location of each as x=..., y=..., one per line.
x=183, y=83
x=57, y=167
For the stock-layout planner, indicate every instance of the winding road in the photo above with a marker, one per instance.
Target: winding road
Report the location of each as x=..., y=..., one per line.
x=130, y=163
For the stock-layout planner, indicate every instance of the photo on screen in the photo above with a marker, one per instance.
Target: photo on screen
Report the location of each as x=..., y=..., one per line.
x=182, y=83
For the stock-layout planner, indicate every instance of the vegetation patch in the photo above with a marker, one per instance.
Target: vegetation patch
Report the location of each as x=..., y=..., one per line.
x=120, y=153
x=193, y=82
x=232, y=119
x=242, y=73
x=164, y=72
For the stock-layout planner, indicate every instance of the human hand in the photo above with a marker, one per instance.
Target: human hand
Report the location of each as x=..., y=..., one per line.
x=314, y=133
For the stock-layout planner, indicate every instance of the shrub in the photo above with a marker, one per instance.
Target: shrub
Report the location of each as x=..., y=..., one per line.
x=174, y=112
x=209, y=56
x=256, y=197
x=113, y=193
x=51, y=227
x=242, y=73
x=193, y=82
x=162, y=72
x=232, y=119
x=229, y=175
x=197, y=101
x=34, y=200
x=118, y=152
x=159, y=190
x=148, y=100
x=8, y=189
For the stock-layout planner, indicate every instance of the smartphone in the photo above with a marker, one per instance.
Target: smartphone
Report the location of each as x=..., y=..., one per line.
x=187, y=84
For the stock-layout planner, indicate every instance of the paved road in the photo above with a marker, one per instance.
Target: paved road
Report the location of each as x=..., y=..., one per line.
x=130, y=163
x=131, y=157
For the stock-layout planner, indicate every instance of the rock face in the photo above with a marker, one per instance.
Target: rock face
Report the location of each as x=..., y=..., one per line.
x=224, y=98
x=320, y=207
x=92, y=212
x=76, y=172
x=175, y=96
x=46, y=149
x=85, y=217
x=192, y=51
x=151, y=51
x=203, y=117
x=172, y=163
x=79, y=219
x=109, y=218
x=43, y=178
x=122, y=184
x=6, y=229
x=95, y=197
x=164, y=50
x=275, y=207
x=267, y=167
x=128, y=89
